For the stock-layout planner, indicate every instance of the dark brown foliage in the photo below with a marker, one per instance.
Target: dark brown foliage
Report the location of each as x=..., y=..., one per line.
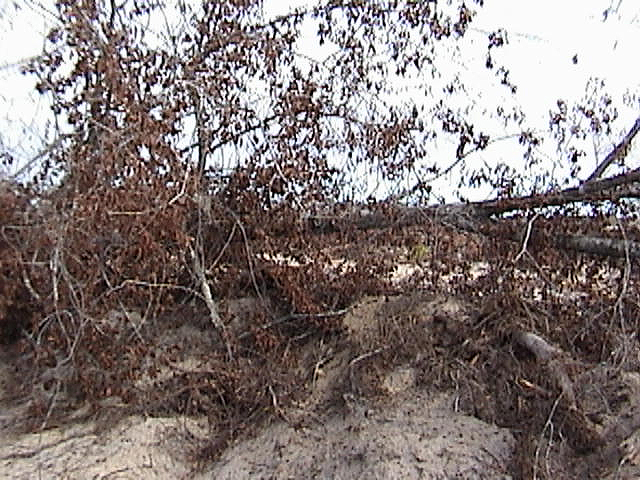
x=96, y=266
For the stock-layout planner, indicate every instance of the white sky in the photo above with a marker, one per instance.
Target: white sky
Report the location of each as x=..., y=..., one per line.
x=544, y=36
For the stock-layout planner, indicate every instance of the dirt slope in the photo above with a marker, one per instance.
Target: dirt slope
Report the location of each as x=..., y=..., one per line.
x=368, y=411
x=419, y=437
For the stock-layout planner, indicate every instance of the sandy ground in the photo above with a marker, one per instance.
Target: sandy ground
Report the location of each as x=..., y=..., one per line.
x=417, y=438
x=411, y=435
x=409, y=432
x=136, y=448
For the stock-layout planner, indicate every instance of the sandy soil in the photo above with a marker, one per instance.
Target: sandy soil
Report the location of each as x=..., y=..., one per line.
x=419, y=437
x=406, y=431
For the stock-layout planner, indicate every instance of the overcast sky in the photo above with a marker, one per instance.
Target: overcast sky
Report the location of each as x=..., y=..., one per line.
x=544, y=37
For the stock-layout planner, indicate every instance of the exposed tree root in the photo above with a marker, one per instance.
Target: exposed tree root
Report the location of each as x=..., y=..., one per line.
x=582, y=434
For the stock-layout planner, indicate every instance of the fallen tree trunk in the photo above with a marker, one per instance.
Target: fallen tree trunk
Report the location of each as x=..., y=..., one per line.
x=478, y=217
x=607, y=247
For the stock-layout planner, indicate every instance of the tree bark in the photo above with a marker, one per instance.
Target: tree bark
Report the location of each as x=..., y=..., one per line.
x=476, y=216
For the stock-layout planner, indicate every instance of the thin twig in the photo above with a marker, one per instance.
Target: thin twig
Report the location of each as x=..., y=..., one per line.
x=54, y=262
x=27, y=283
x=142, y=283
x=276, y=407
x=249, y=256
x=295, y=316
x=182, y=189
x=222, y=250
x=208, y=298
x=618, y=309
x=52, y=404
x=548, y=425
x=627, y=270
x=526, y=238
x=125, y=312
x=359, y=358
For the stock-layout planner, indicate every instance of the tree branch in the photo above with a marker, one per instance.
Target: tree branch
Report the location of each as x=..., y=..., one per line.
x=621, y=151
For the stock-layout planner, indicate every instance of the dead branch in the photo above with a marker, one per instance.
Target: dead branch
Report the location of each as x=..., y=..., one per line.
x=607, y=247
x=526, y=238
x=582, y=433
x=551, y=358
x=612, y=189
x=619, y=152
x=208, y=298
x=471, y=216
x=536, y=345
x=475, y=216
